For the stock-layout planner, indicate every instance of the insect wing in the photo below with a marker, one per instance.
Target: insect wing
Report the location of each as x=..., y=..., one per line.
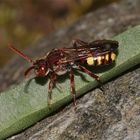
x=95, y=48
x=104, y=45
x=72, y=54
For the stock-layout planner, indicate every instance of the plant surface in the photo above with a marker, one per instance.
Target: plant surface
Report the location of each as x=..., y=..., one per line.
x=25, y=104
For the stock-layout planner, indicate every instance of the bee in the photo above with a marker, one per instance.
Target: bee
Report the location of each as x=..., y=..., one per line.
x=60, y=61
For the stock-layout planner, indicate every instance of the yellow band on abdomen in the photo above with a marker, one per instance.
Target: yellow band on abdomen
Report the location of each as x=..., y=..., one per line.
x=90, y=60
x=113, y=56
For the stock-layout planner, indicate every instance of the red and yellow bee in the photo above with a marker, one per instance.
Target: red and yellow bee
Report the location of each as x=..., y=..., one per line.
x=57, y=62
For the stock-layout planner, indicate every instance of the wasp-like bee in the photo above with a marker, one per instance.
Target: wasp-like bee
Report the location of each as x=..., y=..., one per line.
x=57, y=62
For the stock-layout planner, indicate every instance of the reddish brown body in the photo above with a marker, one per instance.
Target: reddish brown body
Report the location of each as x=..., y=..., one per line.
x=60, y=61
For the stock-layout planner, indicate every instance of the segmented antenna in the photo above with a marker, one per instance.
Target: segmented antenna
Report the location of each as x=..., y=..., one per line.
x=20, y=53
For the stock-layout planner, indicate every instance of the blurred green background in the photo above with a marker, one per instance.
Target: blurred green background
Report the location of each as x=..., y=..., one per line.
x=24, y=22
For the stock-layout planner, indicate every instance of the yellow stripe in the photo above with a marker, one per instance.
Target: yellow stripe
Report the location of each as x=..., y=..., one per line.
x=113, y=56
x=99, y=60
x=107, y=57
x=90, y=61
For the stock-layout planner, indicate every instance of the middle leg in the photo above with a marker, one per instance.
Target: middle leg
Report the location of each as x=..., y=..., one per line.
x=72, y=86
x=50, y=86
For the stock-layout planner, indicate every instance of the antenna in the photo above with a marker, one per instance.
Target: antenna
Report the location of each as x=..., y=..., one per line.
x=20, y=53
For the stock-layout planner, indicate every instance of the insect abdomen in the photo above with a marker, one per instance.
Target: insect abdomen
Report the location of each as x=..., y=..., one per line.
x=102, y=59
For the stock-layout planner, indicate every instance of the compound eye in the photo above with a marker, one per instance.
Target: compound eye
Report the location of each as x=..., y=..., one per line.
x=41, y=71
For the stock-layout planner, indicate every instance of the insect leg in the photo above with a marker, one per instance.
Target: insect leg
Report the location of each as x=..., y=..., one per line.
x=52, y=77
x=27, y=72
x=72, y=86
x=58, y=85
x=83, y=69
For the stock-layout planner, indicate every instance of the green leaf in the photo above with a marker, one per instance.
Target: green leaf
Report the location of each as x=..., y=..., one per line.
x=25, y=104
